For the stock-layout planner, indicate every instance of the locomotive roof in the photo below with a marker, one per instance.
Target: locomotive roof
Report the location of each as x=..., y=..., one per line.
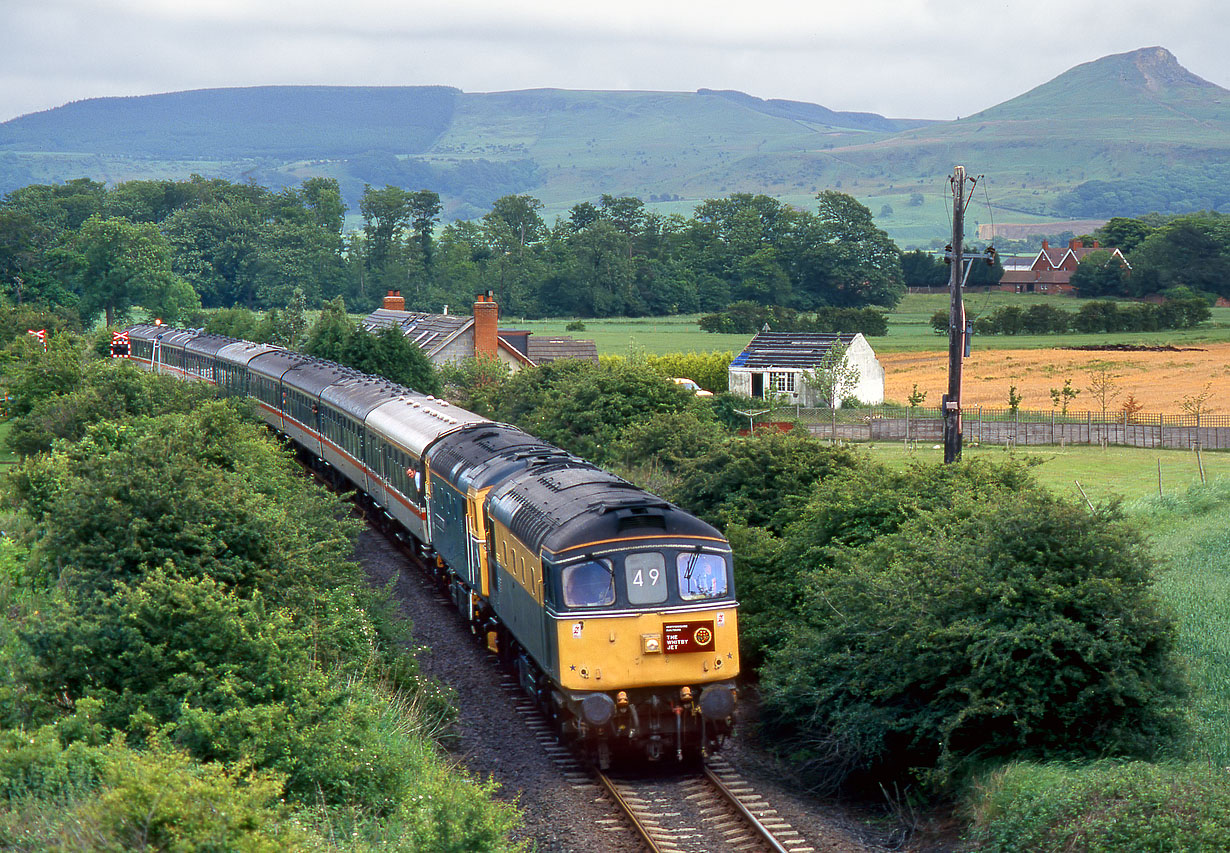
x=565, y=505
x=483, y=454
x=414, y=421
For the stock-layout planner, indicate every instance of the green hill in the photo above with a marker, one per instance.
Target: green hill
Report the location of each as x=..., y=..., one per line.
x=1086, y=144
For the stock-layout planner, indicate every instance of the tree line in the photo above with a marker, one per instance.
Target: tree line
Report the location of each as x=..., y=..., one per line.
x=174, y=247
x=1182, y=309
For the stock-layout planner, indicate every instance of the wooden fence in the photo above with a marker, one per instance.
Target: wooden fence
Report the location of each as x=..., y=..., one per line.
x=1020, y=427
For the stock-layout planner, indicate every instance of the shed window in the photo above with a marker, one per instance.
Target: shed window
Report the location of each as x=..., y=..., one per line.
x=782, y=381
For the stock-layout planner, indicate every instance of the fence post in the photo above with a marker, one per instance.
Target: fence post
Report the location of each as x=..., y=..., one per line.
x=980, y=424
x=1088, y=427
x=907, y=426
x=1053, y=427
x=1161, y=439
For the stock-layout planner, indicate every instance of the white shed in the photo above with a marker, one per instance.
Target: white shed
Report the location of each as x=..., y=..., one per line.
x=776, y=362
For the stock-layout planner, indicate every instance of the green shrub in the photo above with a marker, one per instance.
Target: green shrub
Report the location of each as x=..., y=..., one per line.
x=111, y=390
x=128, y=800
x=583, y=407
x=1103, y=808
x=758, y=479
x=709, y=370
x=668, y=442
x=980, y=628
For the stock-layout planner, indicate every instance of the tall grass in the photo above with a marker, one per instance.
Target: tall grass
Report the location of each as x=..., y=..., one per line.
x=1190, y=536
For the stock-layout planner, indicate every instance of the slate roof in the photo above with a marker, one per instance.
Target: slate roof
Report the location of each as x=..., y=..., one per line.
x=429, y=331
x=795, y=350
x=545, y=349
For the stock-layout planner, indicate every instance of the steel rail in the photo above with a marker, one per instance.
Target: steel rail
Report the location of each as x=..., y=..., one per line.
x=637, y=824
x=765, y=834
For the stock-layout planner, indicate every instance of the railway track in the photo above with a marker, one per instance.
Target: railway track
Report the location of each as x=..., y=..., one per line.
x=710, y=809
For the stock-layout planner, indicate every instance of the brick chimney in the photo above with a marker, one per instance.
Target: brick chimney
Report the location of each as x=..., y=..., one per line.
x=1075, y=244
x=1045, y=245
x=393, y=301
x=486, y=326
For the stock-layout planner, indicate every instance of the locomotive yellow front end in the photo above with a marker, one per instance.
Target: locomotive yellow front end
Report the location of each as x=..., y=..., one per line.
x=648, y=645
x=647, y=640
x=621, y=608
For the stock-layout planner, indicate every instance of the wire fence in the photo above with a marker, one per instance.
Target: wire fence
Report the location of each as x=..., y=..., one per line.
x=1023, y=427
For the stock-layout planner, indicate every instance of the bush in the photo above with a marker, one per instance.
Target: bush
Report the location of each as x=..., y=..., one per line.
x=584, y=407
x=980, y=628
x=758, y=479
x=1103, y=808
x=849, y=511
x=709, y=370
x=110, y=390
x=156, y=800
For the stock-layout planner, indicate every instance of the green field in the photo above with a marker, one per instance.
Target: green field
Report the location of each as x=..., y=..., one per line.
x=1189, y=536
x=1125, y=472
x=909, y=329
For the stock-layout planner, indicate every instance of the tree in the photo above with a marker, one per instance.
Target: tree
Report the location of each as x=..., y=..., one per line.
x=1100, y=273
x=121, y=264
x=1123, y=233
x=862, y=264
x=22, y=240
x=1103, y=387
x=514, y=222
x=329, y=337
x=424, y=214
x=834, y=377
x=386, y=212
x=923, y=269
x=390, y=354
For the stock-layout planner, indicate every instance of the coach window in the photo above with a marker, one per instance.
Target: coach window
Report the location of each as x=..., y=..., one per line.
x=701, y=575
x=645, y=577
x=589, y=584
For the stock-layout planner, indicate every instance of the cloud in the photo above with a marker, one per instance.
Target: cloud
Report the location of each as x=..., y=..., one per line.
x=909, y=58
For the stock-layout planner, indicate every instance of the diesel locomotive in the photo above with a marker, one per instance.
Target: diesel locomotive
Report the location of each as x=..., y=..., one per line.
x=614, y=608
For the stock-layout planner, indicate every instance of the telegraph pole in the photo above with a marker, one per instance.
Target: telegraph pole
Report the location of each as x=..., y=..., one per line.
x=958, y=327
x=956, y=321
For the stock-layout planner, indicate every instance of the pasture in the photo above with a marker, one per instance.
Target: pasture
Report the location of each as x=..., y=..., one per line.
x=1128, y=473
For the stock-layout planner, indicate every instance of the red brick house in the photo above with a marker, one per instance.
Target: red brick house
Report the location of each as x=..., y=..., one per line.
x=1051, y=269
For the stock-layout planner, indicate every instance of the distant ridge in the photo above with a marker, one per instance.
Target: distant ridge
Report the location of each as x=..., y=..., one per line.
x=1093, y=142
x=803, y=111
x=260, y=121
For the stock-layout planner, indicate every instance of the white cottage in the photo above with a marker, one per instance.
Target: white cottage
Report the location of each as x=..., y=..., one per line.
x=776, y=361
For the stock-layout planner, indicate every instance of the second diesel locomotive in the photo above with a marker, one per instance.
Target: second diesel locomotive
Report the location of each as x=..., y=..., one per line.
x=614, y=608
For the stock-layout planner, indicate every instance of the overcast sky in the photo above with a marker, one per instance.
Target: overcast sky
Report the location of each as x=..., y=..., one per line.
x=934, y=59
